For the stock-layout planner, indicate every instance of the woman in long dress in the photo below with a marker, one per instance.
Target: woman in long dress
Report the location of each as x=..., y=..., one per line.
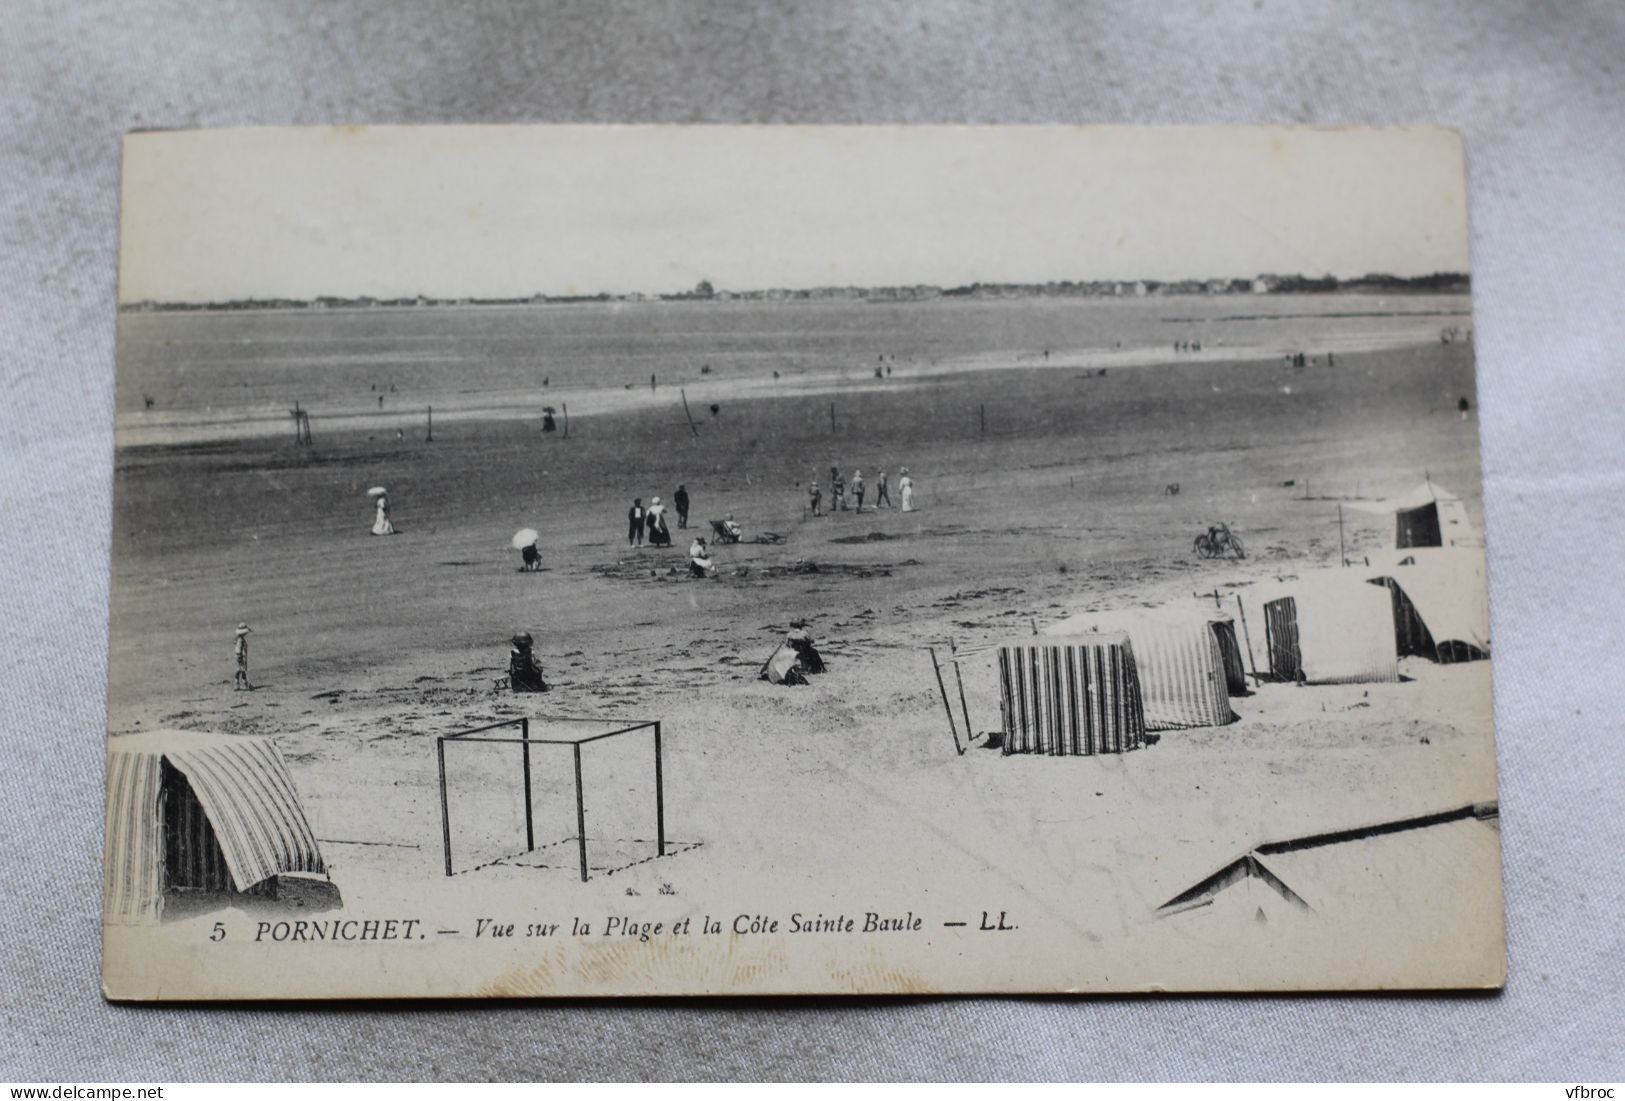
x=905, y=487
x=655, y=524
x=380, y=520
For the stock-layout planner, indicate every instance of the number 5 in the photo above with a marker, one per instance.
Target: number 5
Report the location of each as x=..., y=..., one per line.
x=219, y=932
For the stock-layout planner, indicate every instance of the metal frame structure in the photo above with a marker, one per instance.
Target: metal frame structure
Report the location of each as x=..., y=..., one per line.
x=525, y=741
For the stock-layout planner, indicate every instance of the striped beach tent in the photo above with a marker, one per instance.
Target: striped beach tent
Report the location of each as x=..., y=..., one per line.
x=193, y=811
x=1073, y=696
x=1330, y=627
x=1188, y=661
x=1427, y=516
x=1440, y=601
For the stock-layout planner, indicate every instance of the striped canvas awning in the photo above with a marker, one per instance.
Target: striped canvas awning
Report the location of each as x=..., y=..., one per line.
x=243, y=785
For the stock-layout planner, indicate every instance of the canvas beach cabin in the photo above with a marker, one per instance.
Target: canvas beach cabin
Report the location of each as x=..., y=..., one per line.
x=1329, y=627
x=205, y=818
x=1188, y=660
x=1075, y=696
x=1440, y=602
x=1427, y=516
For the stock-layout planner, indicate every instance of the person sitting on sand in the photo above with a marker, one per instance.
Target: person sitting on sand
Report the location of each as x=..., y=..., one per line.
x=380, y=519
x=239, y=648
x=530, y=557
x=680, y=499
x=905, y=488
x=816, y=497
x=634, y=523
x=699, y=559
x=731, y=530
x=807, y=655
x=655, y=524
x=524, y=674
x=857, y=488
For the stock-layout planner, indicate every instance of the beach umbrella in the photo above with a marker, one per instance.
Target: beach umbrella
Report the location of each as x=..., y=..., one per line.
x=525, y=537
x=377, y=491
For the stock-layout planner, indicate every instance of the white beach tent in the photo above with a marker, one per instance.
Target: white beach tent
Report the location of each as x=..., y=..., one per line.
x=1427, y=516
x=1440, y=601
x=1185, y=672
x=195, y=811
x=1329, y=627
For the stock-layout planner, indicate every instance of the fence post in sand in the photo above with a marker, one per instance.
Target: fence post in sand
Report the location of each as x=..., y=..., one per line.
x=430, y=437
x=686, y=413
x=946, y=706
x=566, y=406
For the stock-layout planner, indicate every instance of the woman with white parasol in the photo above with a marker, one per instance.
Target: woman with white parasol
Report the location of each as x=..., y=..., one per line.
x=380, y=521
x=524, y=541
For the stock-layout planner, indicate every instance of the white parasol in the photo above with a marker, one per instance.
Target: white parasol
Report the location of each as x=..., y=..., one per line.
x=525, y=537
x=377, y=491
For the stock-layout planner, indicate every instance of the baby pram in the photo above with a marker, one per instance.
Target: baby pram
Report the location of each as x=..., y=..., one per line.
x=721, y=533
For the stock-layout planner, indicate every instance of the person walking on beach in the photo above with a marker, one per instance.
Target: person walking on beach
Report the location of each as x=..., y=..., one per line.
x=239, y=648
x=654, y=524
x=817, y=497
x=882, y=494
x=380, y=520
x=837, y=490
x=857, y=488
x=634, y=523
x=905, y=487
x=680, y=499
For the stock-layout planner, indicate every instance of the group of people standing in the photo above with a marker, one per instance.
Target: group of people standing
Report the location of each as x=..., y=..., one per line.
x=840, y=488
x=650, y=522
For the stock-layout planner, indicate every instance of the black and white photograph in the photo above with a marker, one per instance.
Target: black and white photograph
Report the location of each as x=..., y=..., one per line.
x=556, y=561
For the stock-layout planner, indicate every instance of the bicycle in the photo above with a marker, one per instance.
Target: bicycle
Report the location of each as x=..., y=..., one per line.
x=1218, y=541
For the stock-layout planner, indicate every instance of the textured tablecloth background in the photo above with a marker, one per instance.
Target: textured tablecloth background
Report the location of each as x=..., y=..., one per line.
x=1539, y=90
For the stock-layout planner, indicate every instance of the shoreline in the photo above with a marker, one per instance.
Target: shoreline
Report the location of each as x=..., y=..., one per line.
x=142, y=430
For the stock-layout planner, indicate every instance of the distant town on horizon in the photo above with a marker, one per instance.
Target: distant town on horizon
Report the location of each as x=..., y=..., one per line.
x=704, y=291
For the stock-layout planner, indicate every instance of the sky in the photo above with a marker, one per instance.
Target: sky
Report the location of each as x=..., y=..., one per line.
x=212, y=215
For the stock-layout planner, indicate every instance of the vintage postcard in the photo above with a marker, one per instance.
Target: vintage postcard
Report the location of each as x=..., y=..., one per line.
x=725, y=560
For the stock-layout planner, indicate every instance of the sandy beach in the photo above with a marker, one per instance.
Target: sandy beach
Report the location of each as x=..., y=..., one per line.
x=1042, y=492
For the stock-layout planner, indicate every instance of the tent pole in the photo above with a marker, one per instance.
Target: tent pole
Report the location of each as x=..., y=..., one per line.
x=946, y=706
x=530, y=822
x=1246, y=634
x=1342, y=555
x=963, y=707
x=660, y=799
x=445, y=814
x=581, y=815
